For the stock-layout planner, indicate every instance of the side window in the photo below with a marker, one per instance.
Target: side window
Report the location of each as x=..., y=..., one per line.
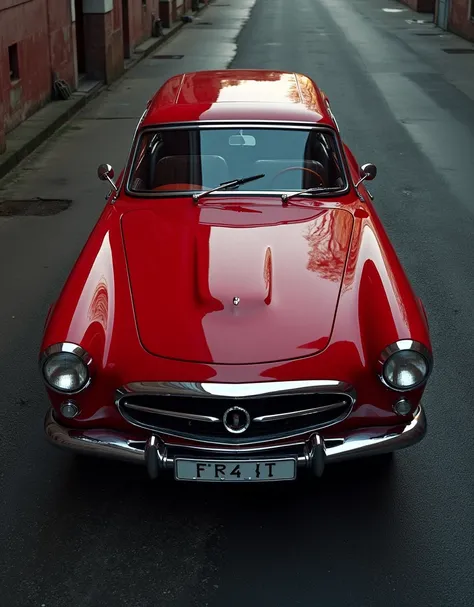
x=140, y=171
x=156, y=152
x=334, y=170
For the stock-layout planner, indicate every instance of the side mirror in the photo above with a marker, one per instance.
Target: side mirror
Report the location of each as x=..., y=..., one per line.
x=106, y=173
x=367, y=172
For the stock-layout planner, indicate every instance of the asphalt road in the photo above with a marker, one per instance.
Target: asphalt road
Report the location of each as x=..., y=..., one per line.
x=99, y=533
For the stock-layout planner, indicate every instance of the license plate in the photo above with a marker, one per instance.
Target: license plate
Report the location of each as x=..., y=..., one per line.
x=235, y=471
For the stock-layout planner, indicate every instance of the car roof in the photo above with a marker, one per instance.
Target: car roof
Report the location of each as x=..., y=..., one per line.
x=238, y=95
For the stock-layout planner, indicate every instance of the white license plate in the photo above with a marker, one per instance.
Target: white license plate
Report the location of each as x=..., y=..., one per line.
x=235, y=471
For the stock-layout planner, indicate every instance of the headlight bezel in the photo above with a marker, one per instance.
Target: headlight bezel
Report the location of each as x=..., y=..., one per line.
x=403, y=346
x=66, y=348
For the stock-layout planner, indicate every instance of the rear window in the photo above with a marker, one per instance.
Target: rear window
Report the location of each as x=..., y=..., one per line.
x=196, y=159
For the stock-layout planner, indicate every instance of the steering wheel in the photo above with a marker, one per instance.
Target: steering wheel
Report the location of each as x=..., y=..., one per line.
x=299, y=169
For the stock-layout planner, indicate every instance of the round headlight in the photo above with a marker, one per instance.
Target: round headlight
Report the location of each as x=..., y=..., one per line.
x=65, y=372
x=405, y=369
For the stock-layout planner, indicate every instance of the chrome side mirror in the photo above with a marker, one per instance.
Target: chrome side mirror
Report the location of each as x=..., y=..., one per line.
x=367, y=172
x=106, y=173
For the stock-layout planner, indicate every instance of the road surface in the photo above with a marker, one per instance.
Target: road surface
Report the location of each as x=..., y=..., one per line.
x=99, y=534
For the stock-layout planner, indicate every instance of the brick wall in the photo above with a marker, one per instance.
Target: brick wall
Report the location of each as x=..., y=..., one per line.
x=45, y=40
x=115, y=55
x=140, y=20
x=459, y=19
x=141, y=13
x=61, y=39
x=42, y=33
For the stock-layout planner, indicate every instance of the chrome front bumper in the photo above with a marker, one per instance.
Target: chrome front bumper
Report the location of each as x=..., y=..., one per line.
x=312, y=454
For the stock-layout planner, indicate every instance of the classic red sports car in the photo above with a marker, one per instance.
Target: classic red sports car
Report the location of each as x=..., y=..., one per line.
x=238, y=312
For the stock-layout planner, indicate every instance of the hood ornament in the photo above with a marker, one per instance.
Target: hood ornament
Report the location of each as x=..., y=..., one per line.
x=236, y=301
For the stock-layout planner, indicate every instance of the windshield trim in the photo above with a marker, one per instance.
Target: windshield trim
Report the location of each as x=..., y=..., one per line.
x=225, y=124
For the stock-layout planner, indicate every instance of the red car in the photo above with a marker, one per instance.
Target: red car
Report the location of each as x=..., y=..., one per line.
x=238, y=312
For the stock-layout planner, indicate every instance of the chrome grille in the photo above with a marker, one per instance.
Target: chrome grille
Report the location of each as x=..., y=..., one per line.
x=192, y=411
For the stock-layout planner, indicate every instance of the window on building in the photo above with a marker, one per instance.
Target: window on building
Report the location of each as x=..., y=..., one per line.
x=471, y=10
x=13, y=61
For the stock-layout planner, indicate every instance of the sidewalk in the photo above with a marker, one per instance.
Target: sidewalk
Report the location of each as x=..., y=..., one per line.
x=34, y=131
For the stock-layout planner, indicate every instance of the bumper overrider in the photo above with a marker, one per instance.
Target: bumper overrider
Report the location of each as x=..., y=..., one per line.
x=160, y=453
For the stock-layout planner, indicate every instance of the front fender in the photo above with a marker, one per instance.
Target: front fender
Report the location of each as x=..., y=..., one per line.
x=84, y=313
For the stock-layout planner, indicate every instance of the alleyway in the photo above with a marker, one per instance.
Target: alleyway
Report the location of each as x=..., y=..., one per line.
x=99, y=534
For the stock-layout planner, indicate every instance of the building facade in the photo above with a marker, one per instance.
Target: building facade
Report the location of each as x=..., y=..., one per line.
x=456, y=16
x=43, y=41
x=36, y=40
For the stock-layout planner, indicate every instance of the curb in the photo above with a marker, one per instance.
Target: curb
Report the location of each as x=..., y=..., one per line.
x=9, y=162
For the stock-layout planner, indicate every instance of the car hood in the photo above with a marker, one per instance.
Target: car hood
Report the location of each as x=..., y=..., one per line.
x=206, y=289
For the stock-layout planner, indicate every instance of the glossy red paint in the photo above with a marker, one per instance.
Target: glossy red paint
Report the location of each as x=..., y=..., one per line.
x=322, y=290
x=238, y=95
x=274, y=270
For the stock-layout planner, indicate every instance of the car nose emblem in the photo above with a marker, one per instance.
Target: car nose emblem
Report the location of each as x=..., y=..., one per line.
x=236, y=420
x=236, y=301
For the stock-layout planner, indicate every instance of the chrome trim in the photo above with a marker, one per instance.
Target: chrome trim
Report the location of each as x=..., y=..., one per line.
x=400, y=346
x=316, y=455
x=131, y=154
x=302, y=413
x=155, y=456
x=246, y=448
x=360, y=445
x=290, y=124
x=69, y=348
x=237, y=391
x=192, y=416
x=225, y=124
x=209, y=442
x=333, y=118
x=100, y=443
x=229, y=428
x=113, y=444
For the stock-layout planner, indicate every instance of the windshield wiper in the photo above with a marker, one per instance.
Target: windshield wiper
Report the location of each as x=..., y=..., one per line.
x=227, y=184
x=286, y=197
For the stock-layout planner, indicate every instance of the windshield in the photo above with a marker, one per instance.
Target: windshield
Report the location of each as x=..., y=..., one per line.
x=198, y=159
